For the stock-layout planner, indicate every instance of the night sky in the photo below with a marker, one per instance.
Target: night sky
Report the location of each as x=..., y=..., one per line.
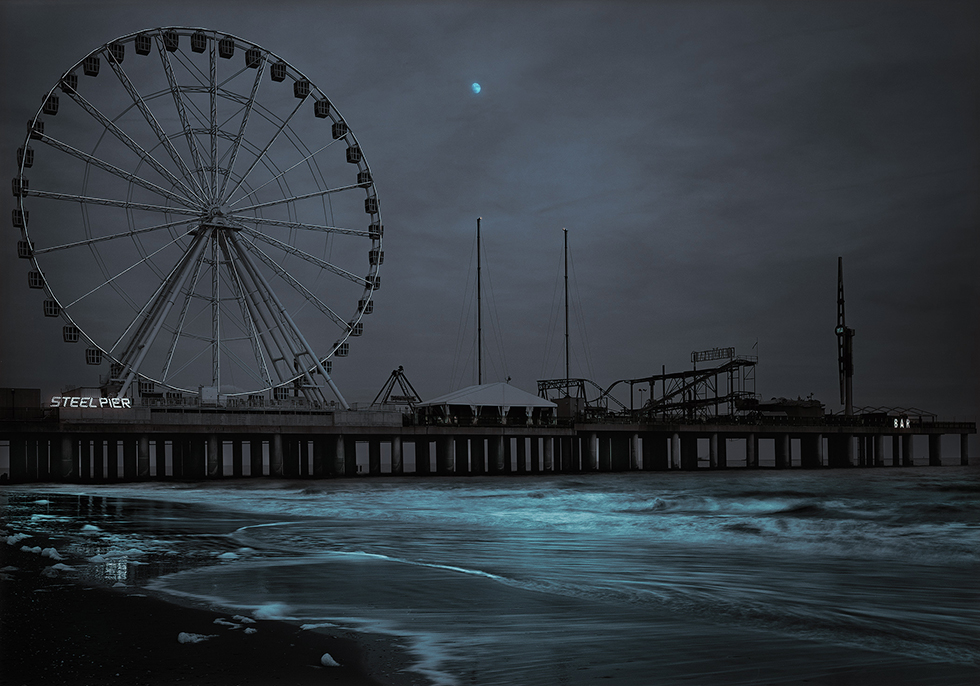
x=710, y=161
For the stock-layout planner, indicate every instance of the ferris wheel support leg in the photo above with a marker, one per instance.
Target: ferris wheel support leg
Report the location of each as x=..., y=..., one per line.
x=253, y=304
x=289, y=320
x=181, y=318
x=263, y=284
x=215, y=318
x=286, y=351
x=162, y=313
x=147, y=314
x=238, y=287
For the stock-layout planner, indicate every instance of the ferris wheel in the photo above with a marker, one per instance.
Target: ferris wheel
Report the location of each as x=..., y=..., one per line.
x=201, y=218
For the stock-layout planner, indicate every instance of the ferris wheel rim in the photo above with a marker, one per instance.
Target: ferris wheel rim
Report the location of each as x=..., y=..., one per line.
x=190, y=215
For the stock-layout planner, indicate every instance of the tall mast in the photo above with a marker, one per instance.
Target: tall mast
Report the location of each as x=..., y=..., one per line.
x=479, y=310
x=565, y=232
x=845, y=346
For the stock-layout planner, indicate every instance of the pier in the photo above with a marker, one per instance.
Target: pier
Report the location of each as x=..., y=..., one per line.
x=194, y=442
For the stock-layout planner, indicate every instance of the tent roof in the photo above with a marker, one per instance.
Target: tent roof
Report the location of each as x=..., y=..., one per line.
x=497, y=394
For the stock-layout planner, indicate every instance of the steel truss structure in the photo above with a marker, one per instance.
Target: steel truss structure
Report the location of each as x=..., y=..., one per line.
x=192, y=212
x=686, y=395
x=408, y=397
x=700, y=393
x=587, y=393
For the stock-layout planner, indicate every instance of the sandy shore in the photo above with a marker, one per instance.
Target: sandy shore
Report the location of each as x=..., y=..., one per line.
x=54, y=630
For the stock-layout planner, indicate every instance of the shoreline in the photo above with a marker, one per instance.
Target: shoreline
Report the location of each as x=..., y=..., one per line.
x=691, y=644
x=57, y=629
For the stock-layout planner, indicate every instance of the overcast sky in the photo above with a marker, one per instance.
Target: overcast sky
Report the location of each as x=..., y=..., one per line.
x=710, y=162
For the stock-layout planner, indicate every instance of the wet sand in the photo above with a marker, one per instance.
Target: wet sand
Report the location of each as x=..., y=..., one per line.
x=54, y=630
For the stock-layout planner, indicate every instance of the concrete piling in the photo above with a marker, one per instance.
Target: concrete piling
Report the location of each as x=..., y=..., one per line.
x=444, y=455
x=461, y=455
x=397, y=463
x=350, y=456
x=935, y=453
x=521, y=455
x=782, y=450
x=495, y=454
x=374, y=456
x=276, y=456
x=98, y=459
x=620, y=453
x=237, y=458
x=255, y=457
x=215, y=456
x=688, y=452
x=422, y=456
x=878, y=450
x=811, y=448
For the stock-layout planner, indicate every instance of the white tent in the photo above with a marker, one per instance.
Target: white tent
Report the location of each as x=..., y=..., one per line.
x=487, y=400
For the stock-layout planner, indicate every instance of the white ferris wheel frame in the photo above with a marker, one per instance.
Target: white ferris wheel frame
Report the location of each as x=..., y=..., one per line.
x=210, y=209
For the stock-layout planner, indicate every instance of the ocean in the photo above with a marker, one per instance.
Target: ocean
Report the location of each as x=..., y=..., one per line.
x=731, y=577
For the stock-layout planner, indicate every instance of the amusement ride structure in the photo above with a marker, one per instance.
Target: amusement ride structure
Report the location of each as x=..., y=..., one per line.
x=201, y=217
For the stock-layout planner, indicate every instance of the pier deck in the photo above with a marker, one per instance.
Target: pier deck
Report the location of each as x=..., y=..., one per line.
x=115, y=444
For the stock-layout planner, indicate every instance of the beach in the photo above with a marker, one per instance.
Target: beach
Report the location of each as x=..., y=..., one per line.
x=53, y=631
x=844, y=577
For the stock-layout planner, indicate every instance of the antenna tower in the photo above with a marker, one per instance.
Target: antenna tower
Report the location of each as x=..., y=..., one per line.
x=845, y=349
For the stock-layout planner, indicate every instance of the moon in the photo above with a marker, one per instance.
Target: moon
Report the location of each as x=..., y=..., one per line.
x=476, y=88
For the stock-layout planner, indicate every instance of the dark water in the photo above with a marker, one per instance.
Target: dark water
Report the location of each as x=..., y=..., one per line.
x=736, y=578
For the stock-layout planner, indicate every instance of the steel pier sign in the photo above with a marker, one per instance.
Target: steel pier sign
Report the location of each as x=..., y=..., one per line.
x=94, y=403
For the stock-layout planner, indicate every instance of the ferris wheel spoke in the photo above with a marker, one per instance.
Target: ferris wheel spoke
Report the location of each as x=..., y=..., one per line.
x=114, y=170
x=213, y=96
x=287, y=248
x=111, y=237
x=182, y=316
x=192, y=69
x=128, y=142
x=314, y=194
x=152, y=121
x=168, y=68
x=282, y=173
x=296, y=285
x=124, y=204
x=126, y=270
x=266, y=149
x=262, y=221
x=215, y=317
x=241, y=131
x=287, y=321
